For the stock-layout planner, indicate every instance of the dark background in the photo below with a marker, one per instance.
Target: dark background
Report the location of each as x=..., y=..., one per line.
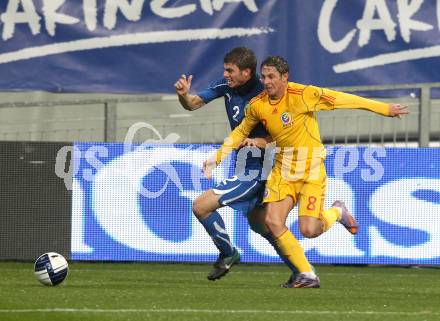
x=35, y=206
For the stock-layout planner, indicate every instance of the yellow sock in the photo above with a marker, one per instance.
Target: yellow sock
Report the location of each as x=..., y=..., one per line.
x=329, y=217
x=292, y=250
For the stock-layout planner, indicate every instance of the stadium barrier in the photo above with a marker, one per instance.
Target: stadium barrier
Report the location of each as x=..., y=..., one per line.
x=107, y=117
x=110, y=202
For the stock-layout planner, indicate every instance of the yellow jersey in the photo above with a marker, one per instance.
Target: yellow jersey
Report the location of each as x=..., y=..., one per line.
x=291, y=120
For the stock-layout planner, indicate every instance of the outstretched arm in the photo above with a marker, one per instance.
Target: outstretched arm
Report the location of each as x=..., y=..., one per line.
x=188, y=101
x=316, y=99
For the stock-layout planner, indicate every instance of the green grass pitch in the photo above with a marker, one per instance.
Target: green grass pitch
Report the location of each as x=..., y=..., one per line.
x=145, y=291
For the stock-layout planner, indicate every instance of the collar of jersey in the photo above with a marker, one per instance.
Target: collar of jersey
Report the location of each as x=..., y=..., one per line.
x=248, y=86
x=275, y=102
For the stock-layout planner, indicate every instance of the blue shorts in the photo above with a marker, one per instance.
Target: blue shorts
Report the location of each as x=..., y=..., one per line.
x=240, y=195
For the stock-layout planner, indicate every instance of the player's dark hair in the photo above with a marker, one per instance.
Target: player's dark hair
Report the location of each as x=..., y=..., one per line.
x=280, y=64
x=243, y=58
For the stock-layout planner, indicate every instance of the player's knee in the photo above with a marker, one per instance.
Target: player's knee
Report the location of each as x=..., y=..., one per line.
x=198, y=209
x=309, y=231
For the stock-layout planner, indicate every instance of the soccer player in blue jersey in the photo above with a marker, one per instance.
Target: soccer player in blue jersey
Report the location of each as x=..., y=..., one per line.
x=239, y=85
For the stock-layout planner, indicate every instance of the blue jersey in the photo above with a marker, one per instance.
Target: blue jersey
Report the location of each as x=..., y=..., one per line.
x=236, y=100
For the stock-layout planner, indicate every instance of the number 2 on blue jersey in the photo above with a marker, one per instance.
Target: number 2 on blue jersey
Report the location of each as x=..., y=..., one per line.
x=236, y=110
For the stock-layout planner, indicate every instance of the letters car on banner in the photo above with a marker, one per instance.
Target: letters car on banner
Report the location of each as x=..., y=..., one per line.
x=135, y=205
x=142, y=46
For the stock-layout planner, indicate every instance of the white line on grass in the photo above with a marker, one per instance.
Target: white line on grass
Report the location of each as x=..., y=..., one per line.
x=244, y=272
x=322, y=312
x=358, y=273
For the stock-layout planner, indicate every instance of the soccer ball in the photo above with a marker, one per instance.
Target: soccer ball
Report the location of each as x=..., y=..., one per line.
x=51, y=268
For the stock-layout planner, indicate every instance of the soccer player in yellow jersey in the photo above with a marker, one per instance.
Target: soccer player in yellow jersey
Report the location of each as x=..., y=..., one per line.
x=287, y=111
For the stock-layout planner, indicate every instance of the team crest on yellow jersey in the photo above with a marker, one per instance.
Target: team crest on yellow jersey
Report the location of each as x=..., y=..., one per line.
x=286, y=119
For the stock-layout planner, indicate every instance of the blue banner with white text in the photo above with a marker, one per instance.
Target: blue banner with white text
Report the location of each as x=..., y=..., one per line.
x=134, y=204
x=138, y=46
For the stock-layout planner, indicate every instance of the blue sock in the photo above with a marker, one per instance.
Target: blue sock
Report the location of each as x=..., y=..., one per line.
x=215, y=227
x=271, y=240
